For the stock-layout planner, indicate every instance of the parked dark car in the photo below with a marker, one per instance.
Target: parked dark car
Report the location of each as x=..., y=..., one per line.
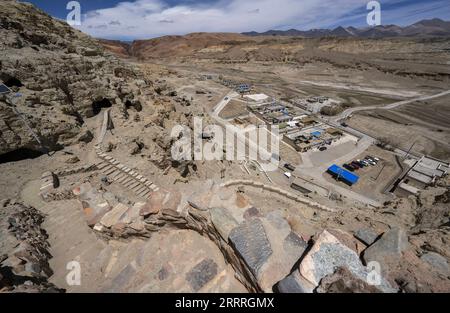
x=322, y=148
x=349, y=167
x=289, y=167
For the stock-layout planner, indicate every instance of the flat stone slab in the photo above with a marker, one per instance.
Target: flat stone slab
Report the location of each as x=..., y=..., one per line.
x=223, y=221
x=294, y=245
x=201, y=274
x=250, y=241
x=113, y=216
x=119, y=283
x=388, y=249
x=132, y=214
x=437, y=261
x=366, y=235
x=294, y=283
x=276, y=219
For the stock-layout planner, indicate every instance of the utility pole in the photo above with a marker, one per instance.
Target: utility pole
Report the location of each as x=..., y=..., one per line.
x=407, y=154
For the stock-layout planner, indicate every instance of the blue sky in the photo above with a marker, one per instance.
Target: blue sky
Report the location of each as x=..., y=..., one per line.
x=139, y=19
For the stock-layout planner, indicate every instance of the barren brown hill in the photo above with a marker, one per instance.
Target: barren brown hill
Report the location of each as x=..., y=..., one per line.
x=119, y=48
x=398, y=56
x=174, y=46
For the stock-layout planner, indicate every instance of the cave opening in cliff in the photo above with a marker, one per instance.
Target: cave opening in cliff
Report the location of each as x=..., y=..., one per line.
x=97, y=106
x=20, y=155
x=13, y=82
x=136, y=105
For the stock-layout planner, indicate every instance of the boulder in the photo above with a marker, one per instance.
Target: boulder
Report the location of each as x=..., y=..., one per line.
x=287, y=249
x=72, y=160
x=343, y=281
x=327, y=255
x=388, y=249
x=294, y=283
x=86, y=137
x=348, y=240
x=366, y=235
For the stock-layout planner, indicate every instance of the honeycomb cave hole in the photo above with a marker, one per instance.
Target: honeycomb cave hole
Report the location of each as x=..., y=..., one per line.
x=136, y=105
x=12, y=82
x=20, y=155
x=97, y=106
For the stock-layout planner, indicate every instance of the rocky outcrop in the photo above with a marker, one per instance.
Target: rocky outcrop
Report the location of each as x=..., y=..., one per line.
x=387, y=251
x=25, y=254
x=63, y=77
x=262, y=248
x=329, y=254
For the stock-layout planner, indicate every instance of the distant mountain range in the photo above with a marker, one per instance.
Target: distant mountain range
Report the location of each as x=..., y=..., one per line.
x=425, y=28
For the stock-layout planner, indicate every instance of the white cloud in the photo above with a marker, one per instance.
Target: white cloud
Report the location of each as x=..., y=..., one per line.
x=153, y=18
x=143, y=19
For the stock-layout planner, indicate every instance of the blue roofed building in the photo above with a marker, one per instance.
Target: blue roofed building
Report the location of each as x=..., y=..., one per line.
x=343, y=175
x=316, y=134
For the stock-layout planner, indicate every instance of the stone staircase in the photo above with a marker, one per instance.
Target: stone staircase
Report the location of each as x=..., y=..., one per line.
x=117, y=172
x=125, y=176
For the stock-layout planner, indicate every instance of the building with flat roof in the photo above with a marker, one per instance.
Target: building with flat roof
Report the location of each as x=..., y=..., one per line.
x=334, y=131
x=282, y=119
x=424, y=173
x=309, y=120
x=343, y=175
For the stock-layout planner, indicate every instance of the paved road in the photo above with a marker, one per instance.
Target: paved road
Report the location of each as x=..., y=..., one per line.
x=335, y=122
x=391, y=106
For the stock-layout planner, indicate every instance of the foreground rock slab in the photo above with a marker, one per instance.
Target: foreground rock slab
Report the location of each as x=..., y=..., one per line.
x=327, y=255
x=388, y=249
x=250, y=241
